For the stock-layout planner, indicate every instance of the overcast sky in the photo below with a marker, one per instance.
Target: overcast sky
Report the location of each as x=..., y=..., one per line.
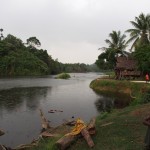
x=70, y=30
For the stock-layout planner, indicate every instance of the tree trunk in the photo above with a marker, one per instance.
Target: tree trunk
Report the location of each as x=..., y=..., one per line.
x=2, y=132
x=87, y=137
x=45, y=124
x=66, y=141
x=91, y=126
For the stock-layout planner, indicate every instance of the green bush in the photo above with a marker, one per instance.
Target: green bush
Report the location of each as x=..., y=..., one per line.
x=63, y=76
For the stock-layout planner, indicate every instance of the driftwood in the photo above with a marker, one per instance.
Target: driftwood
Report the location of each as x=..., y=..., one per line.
x=106, y=124
x=47, y=134
x=69, y=122
x=87, y=137
x=2, y=132
x=91, y=126
x=34, y=143
x=66, y=141
x=2, y=147
x=45, y=124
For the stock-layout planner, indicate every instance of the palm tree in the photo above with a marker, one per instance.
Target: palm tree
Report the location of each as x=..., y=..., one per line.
x=116, y=43
x=141, y=32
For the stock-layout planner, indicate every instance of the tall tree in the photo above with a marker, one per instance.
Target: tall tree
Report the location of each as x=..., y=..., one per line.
x=141, y=32
x=106, y=60
x=33, y=42
x=116, y=43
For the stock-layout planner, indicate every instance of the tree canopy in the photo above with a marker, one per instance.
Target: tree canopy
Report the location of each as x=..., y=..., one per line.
x=116, y=46
x=33, y=42
x=17, y=58
x=140, y=34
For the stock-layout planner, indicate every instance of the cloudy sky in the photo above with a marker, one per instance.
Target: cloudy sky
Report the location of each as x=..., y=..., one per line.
x=70, y=30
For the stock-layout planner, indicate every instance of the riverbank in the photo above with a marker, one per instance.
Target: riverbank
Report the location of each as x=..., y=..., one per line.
x=139, y=92
x=119, y=130
x=122, y=128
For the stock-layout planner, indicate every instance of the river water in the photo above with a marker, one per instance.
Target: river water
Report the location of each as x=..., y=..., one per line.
x=21, y=99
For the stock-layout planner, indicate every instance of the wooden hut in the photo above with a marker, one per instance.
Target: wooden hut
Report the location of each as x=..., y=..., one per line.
x=126, y=68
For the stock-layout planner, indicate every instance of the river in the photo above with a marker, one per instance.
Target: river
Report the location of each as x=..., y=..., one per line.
x=21, y=99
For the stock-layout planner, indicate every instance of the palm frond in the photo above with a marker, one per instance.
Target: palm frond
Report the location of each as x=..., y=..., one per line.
x=137, y=26
x=131, y=39
x=133, y=30
x=122, y=38
x=102, y=48
x=134, y=43
x=114, y=37
x=108, y=42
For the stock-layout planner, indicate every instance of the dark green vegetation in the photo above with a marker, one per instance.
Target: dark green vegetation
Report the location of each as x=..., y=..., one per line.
x=18, y=58
x=140, y=48
x=63, y=76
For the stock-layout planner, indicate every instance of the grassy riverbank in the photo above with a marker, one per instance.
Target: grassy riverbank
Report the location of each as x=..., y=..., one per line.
x=122, y=129
x=119, y=130
x=139, y=92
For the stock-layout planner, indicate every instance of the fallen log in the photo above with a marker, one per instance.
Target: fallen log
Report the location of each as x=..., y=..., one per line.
x=47, y=134
x=87, y=137
x=44, y=121
x=2, y=147
x=2, y=132
x=91, y=126
x=69, y=122
x=67, y=140
x=25, y=146
x=34, y=143
x=106, y=124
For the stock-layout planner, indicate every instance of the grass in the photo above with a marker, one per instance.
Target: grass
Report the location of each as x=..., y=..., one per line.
x=111, y=74
x=126, y=131
x=46, y=144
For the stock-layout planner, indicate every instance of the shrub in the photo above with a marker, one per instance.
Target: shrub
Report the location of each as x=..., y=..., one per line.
x=63, y=76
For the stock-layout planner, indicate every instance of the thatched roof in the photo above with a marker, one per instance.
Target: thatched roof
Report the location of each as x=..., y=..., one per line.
x=126, y=63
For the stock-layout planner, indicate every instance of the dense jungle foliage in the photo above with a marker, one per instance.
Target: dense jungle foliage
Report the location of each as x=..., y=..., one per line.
x=18, y=58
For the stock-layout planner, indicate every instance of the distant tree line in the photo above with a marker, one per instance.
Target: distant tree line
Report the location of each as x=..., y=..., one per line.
x=117, y=43
x=18, y=58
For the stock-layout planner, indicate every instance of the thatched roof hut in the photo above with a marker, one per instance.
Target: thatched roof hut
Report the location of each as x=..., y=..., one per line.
x=126, y=63
x=126, y=67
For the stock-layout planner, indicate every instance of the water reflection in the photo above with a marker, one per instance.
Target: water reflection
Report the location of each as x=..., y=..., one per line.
x=19, y=114
x=104, y=104
x=107, y=102
x=14, y=98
